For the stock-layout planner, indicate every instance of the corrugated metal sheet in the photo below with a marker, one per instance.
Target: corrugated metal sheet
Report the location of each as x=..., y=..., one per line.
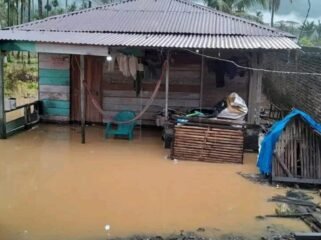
x=152, y=40
x=153, y=16
x=152, y=23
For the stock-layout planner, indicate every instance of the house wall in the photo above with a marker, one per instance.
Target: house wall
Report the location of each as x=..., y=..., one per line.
x=189, y=87
x=299, y=91
x=184, y=89
x=185, y=92
x=239, y=84
x=54, y=86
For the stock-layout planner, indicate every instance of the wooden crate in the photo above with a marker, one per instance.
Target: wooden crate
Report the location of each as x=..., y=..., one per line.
x=297, y=155
x=208, y=144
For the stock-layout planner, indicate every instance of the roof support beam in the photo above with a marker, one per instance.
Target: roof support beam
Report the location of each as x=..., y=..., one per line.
x=72, y=49
x=255, y=90
x=167, y=84
x=54, y=48
x=82, y=100
x=202, y=81
x=3, y=132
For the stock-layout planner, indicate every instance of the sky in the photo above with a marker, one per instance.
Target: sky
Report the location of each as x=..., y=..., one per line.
x=293, y=12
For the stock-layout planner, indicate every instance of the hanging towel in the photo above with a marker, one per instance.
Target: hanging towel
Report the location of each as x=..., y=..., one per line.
x=133, y=66
x=122, y=61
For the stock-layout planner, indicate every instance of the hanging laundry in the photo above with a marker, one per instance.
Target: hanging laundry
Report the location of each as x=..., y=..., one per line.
x=122, y=61
x=139, y=78
x=133, y=66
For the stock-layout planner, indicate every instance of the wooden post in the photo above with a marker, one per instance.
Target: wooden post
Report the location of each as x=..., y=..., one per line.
x=202, y=82
x=3, y=131
x=255, y=90
x=167, y=85
x=82, y=99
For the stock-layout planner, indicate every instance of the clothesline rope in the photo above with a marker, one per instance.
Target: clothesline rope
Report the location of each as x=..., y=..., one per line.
x=254, y=69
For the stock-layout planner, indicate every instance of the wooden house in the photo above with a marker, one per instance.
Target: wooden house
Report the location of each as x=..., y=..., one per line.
x=73, y=47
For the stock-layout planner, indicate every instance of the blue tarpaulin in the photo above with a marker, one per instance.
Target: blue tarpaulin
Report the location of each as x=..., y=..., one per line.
x=268, y=144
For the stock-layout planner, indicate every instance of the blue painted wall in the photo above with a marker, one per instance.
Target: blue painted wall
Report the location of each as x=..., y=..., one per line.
x=54, y=85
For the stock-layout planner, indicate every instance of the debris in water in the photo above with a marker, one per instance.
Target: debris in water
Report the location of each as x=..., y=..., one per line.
x=107, y=227
x=283, y=209
x=298, y=205
x=255, y=178
x=298, y=195
x=260, y=217
x=200, y=229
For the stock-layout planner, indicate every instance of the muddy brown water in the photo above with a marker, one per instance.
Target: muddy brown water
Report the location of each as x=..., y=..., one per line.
x=53, y=187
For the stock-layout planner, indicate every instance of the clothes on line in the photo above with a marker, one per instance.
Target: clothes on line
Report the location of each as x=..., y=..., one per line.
x=128, y=65
x=133, y=66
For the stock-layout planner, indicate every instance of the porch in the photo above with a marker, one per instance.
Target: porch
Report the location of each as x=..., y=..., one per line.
x=189, y=82
x=55, y=188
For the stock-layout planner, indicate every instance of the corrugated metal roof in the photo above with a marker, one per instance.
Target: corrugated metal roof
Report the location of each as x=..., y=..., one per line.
x=153, y=40
x=152, y=23
x=152, y=16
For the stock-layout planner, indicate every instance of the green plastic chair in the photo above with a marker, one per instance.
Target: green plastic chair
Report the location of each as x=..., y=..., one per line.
x=122, y=129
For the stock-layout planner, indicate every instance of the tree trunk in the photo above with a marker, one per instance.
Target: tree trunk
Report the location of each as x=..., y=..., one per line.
x=22, y=6
x=8, y=14
x=47, y=8
x=17, y=11
x=272, y=12
x=40, y=13
x=33, y=8
x=29, y=10
x=29, y=19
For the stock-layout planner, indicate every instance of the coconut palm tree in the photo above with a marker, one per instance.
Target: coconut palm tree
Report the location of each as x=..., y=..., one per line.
x=40, y=7
x=274, y=5
x=231, y=6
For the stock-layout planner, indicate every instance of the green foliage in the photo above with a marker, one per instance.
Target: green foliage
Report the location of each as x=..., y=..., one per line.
x=20, y=77
x=305, y=41
x=55, y=3
x=48, y=7
x=308, y=28
x=238, y=7
x=232, y=6
x=2, y=14
x=72, y=7
x=274, y=4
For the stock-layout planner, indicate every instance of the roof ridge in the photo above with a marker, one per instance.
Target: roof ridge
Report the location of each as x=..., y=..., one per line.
x=137, y=33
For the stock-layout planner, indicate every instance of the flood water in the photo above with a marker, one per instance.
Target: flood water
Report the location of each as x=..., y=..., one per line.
x=53, y=187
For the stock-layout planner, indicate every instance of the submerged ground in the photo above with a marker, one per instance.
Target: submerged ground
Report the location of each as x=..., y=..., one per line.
x=53, y=187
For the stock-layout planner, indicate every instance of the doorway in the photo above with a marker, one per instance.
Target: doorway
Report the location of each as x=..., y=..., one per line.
x=93, y=77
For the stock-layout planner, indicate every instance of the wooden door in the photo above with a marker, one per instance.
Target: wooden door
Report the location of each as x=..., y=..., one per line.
x=93, y=77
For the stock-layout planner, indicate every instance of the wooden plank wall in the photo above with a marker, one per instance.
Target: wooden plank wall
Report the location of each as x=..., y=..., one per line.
x=54, y=86
x=238, y=84
x=220, y=144
x=185, y=73
x=297, y=154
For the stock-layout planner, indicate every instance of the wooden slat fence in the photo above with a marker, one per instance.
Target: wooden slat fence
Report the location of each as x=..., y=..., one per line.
x=297, y=156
